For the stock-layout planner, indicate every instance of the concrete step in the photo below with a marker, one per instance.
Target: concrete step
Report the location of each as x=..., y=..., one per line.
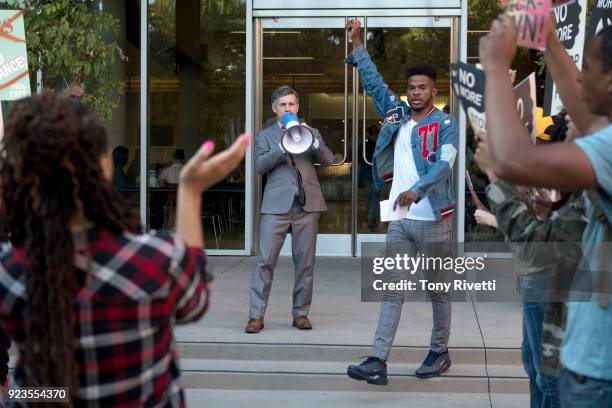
x=341, y=399
x=338, y=353
x=316, y=367
x=291, y=381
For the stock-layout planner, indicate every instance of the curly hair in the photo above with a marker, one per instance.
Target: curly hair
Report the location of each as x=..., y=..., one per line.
x=422, y=69
x=52, y=179
x=4, y=236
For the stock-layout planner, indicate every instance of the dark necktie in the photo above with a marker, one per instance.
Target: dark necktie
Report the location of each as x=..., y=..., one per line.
x=301, y=195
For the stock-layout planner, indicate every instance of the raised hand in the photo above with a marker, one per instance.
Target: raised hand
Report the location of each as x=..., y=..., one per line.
x=499, y=46
x=354, y=30
x=203, y=171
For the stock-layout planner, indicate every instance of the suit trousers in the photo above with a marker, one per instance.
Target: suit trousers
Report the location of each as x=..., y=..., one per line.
x=303, y=227
x=407, y=233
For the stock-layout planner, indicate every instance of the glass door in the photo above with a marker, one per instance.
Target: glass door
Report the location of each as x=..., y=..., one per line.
x=308, y=54
x=394, y=44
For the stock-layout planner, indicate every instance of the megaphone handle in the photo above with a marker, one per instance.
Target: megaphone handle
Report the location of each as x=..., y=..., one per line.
x=292, y=161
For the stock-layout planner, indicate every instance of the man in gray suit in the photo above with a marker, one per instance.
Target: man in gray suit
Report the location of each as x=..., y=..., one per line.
x=287, y=208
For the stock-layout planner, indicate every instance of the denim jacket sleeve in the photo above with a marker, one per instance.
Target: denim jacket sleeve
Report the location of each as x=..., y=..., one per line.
x=445, y=158
x=372, y=81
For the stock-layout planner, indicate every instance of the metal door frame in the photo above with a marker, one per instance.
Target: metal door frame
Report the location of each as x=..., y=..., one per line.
x=347, y=244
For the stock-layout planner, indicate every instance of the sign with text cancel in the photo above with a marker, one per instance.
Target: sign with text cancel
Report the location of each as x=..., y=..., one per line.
x=14, y=75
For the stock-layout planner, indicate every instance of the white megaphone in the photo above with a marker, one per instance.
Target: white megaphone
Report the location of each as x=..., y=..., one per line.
x=297, y=138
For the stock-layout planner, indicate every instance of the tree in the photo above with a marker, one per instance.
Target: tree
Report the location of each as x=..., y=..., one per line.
x=66, y=40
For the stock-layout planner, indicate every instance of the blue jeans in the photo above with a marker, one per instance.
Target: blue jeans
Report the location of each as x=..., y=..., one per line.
x=543, y=389
x=584, y=392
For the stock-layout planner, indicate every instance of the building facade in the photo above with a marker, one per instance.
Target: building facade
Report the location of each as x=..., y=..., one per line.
x=210, y=67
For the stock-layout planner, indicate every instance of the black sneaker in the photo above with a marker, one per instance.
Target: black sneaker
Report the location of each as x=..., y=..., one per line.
x=434, y=365
x=373, y=370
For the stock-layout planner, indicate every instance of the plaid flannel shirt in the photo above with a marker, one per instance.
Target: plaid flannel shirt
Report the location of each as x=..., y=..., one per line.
x=141, y=286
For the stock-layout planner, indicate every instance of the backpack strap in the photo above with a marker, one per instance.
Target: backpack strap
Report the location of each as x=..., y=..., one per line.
x=605, y=259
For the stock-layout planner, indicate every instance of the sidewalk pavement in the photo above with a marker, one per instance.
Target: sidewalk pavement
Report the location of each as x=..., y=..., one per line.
x=337, y=313
x=224, y=367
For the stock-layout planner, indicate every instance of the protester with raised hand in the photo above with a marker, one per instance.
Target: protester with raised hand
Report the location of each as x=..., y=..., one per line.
x=566, y=76
x=560, y=165
x=415, y=151
x=585, y=164
x=100, y=325
x=542, y=269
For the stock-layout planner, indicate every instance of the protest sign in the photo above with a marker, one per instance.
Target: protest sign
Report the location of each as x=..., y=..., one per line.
x=532, y=20
x=14, y=76
x=571, y=23
x=601, y=17
x=525, y=93
x=468, y=83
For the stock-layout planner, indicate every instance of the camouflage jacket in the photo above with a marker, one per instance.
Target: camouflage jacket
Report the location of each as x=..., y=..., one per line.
x=541, y=243
x=553, y=244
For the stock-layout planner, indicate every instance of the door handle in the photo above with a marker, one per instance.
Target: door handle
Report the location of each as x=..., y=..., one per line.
x=344, y=156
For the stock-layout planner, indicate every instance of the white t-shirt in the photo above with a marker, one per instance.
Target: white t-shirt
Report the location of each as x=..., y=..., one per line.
x=405, y=174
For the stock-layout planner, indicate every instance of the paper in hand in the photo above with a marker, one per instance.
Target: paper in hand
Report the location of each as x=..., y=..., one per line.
x=388, y=214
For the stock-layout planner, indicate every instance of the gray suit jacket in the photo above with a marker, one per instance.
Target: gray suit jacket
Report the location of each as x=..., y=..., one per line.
x=282, y=181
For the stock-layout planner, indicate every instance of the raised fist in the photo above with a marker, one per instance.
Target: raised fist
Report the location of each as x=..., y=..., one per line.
x=354, y=30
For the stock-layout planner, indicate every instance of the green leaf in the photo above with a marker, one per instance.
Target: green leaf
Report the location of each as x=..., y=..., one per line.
x=68, y=43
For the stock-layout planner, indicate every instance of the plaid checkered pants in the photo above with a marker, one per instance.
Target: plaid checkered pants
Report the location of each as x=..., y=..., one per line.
x=414, y=237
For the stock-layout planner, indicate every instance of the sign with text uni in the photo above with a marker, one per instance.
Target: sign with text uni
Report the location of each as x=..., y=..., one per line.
x=14, y=76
